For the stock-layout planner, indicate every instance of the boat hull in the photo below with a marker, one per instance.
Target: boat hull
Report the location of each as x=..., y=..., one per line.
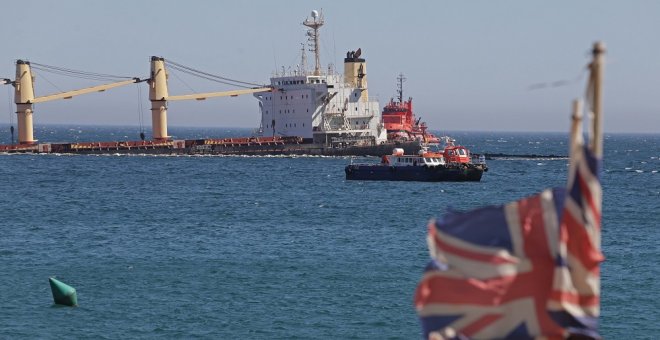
x=367, y=172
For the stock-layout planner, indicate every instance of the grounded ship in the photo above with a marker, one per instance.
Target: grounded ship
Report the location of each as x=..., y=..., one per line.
x=314, y=112
x=452, y=164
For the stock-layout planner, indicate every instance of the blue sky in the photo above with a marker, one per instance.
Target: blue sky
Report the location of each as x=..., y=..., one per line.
x=469, y=64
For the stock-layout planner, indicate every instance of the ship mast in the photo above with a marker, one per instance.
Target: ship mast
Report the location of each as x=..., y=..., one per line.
x=399, y=86
x=303, y=62
x=315, y=23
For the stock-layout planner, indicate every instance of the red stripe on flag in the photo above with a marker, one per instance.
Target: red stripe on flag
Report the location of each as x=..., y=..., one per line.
x=536, y=247
x=492, y=259
x=579, y=243
x=461, y=291
x=473, y=328
x=576, y=299
x=589, y=197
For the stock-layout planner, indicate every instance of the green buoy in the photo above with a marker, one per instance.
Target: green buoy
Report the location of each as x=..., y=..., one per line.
x=63, y=294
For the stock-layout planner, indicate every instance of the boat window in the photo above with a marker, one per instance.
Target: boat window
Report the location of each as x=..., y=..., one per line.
x=461, y=152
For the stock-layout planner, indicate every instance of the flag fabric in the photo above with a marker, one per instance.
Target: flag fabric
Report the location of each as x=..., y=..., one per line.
x=526, y=269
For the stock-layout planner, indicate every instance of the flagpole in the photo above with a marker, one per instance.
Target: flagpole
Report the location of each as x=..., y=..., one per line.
x=597, y=71
x=576, y=125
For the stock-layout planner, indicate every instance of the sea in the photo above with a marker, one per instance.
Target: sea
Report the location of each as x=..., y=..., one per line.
x=230, y=247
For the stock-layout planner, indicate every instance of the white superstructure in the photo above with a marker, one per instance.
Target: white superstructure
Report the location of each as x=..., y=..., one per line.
x=330, y=108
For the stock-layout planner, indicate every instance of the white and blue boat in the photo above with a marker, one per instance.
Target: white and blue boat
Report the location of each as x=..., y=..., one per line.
x=453, y=164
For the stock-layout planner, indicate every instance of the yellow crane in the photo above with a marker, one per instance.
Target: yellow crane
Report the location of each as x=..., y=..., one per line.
x=159, y=95
x=25, y=99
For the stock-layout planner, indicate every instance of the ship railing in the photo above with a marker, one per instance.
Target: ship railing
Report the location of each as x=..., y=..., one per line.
x=478, y=159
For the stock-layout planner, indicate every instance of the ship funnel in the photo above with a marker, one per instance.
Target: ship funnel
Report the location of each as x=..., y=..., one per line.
x=355, y=72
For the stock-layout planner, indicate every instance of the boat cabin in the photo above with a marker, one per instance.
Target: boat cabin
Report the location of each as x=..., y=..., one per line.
x=457, y=154
x=397, y=158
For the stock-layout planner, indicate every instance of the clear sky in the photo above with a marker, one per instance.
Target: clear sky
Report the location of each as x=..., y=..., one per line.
x=469, y=64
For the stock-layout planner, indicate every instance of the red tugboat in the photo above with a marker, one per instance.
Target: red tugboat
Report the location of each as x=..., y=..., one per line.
x=453, y=163
x=400, y=121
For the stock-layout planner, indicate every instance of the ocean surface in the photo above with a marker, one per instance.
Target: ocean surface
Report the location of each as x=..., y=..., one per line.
x=278, y=247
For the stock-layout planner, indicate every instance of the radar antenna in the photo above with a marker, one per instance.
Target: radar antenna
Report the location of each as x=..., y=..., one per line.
x=314, y=23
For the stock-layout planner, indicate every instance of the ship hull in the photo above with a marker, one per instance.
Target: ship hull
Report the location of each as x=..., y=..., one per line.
x=367, y=172
x=236, y=146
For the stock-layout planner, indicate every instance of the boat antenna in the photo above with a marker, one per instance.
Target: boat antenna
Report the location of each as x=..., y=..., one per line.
x=314, y=23
x=399, y=86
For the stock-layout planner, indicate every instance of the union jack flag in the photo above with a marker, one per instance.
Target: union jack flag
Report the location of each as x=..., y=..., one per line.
x=525, y=269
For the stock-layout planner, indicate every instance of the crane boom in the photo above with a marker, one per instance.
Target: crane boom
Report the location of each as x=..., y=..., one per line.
x=69, y=94
x=203, y=96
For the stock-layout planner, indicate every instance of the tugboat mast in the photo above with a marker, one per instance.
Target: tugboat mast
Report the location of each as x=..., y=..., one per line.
x=315, y=23
x=399, y=86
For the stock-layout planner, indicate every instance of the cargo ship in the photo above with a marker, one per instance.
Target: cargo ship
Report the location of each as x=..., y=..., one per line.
x=317, y=112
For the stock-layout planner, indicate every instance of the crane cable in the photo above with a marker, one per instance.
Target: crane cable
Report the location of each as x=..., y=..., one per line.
x=77, y=73
x=140, y=111
x=172, y=67
x=11, y=117
x=210, y=76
